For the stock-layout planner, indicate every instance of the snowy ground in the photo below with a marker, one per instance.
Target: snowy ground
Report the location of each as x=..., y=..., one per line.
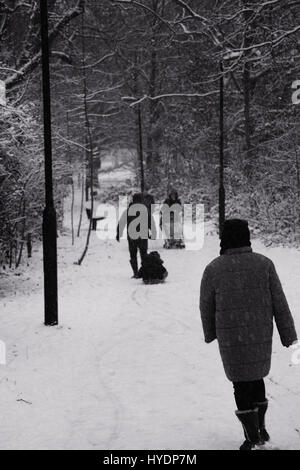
x=127, y=368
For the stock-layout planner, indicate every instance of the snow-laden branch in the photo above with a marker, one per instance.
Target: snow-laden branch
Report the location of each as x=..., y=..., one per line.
x=209, y=28
x=104, y=90
x=70, y=142
x=4, y=8
x=146, y=8
x=34, y=61
x=105, y=115
x=9, y=69
x=99, y=61
x=272, y=43
x=135, y=101
x=214, y=33
x=62, y=56
x=191, y=12
x=252, y=9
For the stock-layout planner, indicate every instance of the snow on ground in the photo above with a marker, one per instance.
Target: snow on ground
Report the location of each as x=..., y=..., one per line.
x=127, y=367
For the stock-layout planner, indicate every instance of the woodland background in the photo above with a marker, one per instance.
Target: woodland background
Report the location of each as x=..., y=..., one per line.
x=110, y=61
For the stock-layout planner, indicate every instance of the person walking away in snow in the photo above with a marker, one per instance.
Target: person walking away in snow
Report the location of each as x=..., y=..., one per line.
x=140, y=226
x=171, y=221
x=148, y=199
x=240, y=295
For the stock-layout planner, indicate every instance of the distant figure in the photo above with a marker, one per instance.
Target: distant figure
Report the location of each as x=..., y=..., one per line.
x=88, y=208
x=148, y=198
x=171, y=216
x=240, y=295
x=137, y=233
x=153, y=270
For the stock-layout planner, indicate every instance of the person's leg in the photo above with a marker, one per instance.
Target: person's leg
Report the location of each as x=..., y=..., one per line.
x=259, y=391
x=247, y=413
x=133, y=249
x=243, y=394
x=172, y=225
x=143, y=247
x=166, y=234
x=261, y=402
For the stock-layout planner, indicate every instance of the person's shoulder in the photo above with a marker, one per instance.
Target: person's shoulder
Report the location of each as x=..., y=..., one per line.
x=261, y=258
x=214, y=264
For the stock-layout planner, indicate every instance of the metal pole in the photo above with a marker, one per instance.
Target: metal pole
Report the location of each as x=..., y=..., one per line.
x=49, y=215
x=141, y=148
x=221, y=163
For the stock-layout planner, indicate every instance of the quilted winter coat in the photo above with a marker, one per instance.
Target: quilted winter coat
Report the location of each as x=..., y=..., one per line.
x=240, y=295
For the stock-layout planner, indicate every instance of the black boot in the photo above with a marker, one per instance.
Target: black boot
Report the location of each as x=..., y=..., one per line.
x=262, y=409
x=134, y=266
x=249, y=420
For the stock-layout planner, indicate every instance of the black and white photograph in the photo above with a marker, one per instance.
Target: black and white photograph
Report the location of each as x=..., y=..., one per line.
x=149, y=228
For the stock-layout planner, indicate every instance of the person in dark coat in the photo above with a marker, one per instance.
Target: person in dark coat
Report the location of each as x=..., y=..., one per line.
x=137, y=233
x=240, y=296
x=171, y=220
x=148, y=199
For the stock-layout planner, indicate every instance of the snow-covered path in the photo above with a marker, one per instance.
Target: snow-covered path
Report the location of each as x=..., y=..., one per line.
x=127, y=367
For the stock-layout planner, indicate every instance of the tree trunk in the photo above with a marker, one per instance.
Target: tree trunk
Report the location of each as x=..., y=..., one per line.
x=152, y=140
x=29, y=245
x=72, y=209
x=90, y=148
x=19, y=256
x=72, y=180
x=151, y=150
x=221, y=162
x=81, y=204
x=139, y=129
x=249, y=166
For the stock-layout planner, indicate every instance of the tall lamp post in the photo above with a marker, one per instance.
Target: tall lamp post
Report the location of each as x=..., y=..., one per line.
x=141, y=153
x=221, y=161
x=49, y=215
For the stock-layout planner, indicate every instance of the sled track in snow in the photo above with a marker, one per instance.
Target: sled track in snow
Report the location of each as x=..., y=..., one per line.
x=134, y=297
x=141, y=296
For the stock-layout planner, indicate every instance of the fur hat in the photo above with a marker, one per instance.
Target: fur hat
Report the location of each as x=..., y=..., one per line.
x=137, y=198
x=235, y=234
